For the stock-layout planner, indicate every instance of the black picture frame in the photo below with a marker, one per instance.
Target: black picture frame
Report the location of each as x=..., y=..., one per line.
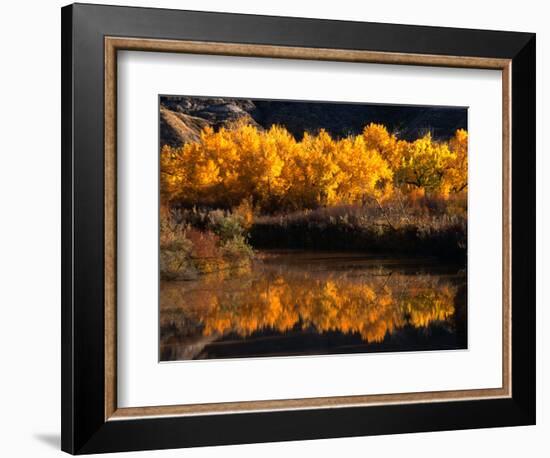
x=84, y=428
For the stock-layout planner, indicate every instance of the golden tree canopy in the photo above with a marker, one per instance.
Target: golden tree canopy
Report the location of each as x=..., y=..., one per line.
x=274, y=171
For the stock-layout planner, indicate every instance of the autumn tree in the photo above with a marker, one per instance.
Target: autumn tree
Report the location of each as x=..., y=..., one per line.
x=314, y=174
x=424, y=164
x=377, y=138
x=364, y=173
x=272, y=166
x=457, y=171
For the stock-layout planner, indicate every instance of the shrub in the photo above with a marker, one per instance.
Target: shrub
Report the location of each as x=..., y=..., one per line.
x=204, y=244
x=237, y=249
x=226, y=225
x=175, y=252
x=194, y=242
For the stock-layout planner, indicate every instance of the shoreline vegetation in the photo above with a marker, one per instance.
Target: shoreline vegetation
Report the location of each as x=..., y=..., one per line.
x=241, y=188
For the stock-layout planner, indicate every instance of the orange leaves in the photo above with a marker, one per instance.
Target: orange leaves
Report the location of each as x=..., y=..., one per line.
x=205, y=243
x=274, y=172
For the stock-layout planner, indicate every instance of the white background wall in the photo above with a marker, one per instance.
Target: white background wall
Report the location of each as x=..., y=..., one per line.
x=30, y=226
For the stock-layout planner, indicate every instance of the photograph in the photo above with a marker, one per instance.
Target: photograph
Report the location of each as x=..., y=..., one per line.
x=299, y=228
x=279, y=229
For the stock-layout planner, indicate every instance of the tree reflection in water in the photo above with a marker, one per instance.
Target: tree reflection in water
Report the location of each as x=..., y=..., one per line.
x=292, y=295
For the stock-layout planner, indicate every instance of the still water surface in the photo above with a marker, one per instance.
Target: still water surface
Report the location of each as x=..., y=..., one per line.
x=309, y=303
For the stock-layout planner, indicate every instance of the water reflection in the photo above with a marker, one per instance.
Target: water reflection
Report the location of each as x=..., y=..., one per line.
x=311, y=303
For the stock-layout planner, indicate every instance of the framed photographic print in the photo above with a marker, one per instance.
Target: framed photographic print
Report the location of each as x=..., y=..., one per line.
x=281, y=228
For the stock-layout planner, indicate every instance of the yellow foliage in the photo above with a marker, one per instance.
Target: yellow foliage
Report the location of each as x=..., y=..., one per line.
x=377, y=138
x=245, y=211
x=364, y=171
x=424, y=164
x=272, y=171
x=457, y=173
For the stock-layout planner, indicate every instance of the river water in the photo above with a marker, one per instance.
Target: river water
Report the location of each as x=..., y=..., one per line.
x=292, y=303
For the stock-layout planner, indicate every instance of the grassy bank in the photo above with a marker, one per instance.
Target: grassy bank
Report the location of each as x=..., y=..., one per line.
x=431, y=228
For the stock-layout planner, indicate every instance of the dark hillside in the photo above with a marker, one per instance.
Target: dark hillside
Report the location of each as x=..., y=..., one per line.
x=182, y=117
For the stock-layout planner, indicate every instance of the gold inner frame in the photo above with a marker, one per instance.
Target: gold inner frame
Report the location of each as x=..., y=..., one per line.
x=114, y=44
